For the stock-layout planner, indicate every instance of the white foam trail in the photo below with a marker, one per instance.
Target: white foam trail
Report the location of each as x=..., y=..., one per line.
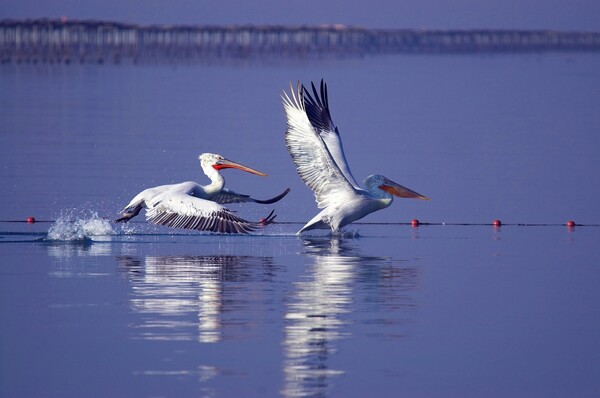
x=69, y=227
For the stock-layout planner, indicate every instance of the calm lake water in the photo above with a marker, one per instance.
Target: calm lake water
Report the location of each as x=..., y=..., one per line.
x=92, y=309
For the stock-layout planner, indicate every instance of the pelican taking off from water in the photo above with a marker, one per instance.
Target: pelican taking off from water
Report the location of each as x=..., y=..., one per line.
x=316, y=149
x=193, y=206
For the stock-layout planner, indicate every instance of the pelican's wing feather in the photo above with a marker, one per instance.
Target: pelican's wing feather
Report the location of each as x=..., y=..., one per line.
x=141, y=197
x=229, y=196
x=183, y=211
x=314, y=162
x=317, y=110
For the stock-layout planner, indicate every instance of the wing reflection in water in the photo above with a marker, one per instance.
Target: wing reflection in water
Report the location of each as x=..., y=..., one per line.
x=323, y=307
x=183, y=297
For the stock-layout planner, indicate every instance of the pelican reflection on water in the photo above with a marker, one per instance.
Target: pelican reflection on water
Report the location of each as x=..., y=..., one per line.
x=184, y=297
x=315, y=146
x=193, y=206
x=341, y=294
x=321, y=310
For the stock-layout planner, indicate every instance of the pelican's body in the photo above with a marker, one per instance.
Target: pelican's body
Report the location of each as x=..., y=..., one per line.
x=316, y=149
x=194, y=206
x=351, y=207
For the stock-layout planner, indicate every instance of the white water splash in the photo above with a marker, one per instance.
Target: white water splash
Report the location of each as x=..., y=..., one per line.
x=79, y=227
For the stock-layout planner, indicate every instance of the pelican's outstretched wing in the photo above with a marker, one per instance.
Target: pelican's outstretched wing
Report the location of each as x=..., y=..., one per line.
x=317, y=110
x=310, y=153
x=183, y=211
x=228, y=196
x=139, y=202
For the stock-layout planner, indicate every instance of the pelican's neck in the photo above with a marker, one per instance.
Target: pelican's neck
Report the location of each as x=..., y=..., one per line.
x=217, y=182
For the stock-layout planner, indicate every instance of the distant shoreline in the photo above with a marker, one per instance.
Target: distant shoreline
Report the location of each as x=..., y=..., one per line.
x=94, y=41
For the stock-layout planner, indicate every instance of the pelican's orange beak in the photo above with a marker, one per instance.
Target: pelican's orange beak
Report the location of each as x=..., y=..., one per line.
x=402, y=192
x=228, y=164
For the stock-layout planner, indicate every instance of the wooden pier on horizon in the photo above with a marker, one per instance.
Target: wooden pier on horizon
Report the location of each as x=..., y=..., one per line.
x=92, y=41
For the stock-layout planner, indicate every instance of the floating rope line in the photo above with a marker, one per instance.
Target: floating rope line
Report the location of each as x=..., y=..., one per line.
x=453, y=224
x=415, y=223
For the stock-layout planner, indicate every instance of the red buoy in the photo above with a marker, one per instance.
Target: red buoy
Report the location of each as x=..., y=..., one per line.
x=30, y=220
x=497, y=223
x=570, y=223
x=415, y=223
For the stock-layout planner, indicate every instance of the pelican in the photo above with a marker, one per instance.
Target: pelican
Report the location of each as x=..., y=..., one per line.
x=315, y=145
x=193, y=206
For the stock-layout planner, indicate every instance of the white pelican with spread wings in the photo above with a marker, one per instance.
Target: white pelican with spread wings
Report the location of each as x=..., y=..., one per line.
x=193, y=206
x=315, y=145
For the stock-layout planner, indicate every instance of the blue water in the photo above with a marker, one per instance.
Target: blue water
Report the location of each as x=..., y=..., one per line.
x=89, y=308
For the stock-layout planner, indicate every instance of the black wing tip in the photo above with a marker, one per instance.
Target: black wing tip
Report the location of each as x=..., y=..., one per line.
x=317, y=106
x=322, y=86
x=317, y=99
x=263, y=222
x=273, y=200
x=316, y=94
x=129, y=213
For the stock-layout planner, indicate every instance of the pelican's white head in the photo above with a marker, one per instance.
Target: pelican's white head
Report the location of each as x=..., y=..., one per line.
x=209, y=161
x=383, y=186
